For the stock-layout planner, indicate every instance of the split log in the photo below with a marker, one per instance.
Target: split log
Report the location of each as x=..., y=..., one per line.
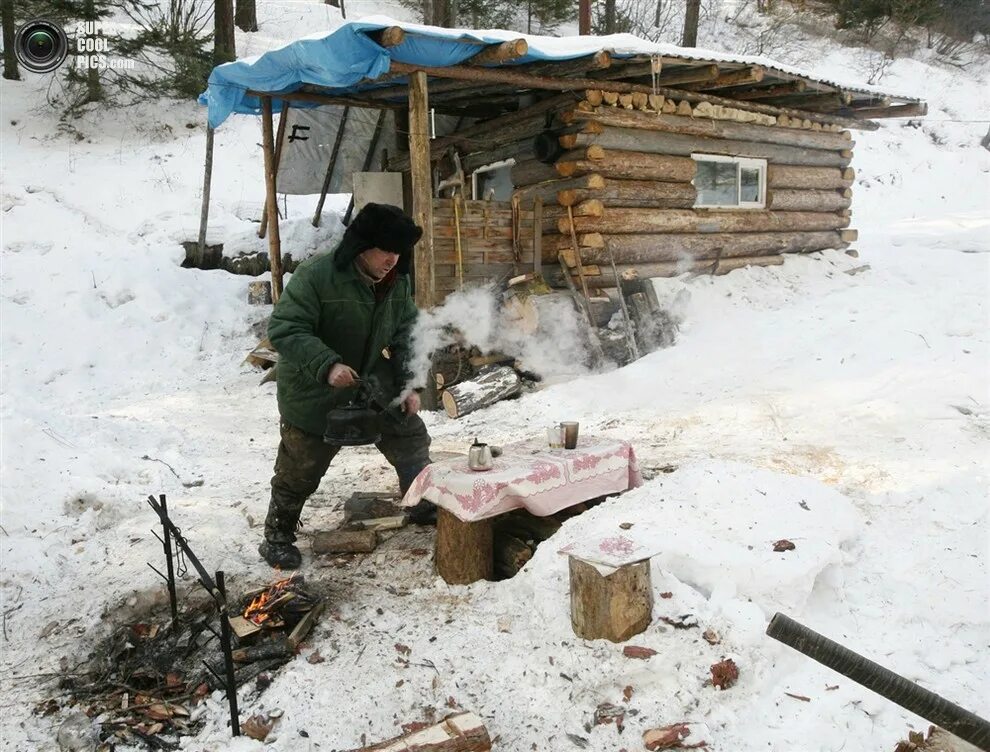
x=531, y=171
x=344, y=542
x=632, y=193
x=490, y=386
x=652, y=248
x=809, y=178
x=816, y=201
x=463, y=549
x=612, y=605
x=629, y=221
x=464, y=732
x=548, y=191
x=631, y=165
x=511, y=555
x=711, y=128
x=679, y=144
x=305, y=624
x=262, y=652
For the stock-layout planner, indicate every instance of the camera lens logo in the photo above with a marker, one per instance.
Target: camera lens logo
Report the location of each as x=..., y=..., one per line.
x=41, y=46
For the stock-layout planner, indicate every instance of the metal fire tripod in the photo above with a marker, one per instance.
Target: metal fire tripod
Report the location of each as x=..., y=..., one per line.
x=216, y=589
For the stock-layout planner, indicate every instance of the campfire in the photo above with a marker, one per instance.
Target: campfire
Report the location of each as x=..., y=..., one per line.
x=284, y=605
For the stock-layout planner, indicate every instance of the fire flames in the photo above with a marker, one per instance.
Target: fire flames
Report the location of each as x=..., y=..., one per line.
x=257, y=611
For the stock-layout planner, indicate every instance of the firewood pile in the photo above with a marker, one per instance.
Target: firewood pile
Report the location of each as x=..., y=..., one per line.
x=149, y=678
x=467, y=379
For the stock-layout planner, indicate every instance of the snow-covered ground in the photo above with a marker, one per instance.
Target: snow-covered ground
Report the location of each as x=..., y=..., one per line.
x=849, y=413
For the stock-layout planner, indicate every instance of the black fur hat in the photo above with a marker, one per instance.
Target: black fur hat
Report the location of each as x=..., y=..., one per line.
x=379, y=226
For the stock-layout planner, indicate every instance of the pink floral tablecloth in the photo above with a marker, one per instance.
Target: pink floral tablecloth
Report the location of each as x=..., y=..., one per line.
x=529, y=476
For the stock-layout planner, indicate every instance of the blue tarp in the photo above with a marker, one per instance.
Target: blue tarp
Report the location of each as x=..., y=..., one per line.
x=341, y=59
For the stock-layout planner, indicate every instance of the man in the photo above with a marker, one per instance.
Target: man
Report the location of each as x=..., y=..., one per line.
x=344, y=317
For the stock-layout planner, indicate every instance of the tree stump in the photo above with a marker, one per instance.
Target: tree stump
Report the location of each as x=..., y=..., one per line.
x=464, y=552
x=608, y=603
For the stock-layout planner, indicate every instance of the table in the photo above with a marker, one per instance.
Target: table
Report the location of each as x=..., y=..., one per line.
x=527, y=475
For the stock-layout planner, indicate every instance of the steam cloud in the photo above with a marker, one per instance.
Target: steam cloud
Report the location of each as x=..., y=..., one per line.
x=473, y=317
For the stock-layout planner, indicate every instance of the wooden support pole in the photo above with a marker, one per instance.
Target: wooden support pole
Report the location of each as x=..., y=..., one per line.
x=279, y=137
x=338, y=140
x=422, y=187
x=274, y=240
x=204, y=214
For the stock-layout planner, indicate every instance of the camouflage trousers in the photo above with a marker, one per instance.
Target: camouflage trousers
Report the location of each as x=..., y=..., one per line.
x=303, y=459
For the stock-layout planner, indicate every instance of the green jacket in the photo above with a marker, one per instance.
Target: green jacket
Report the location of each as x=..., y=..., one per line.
x=328, y=315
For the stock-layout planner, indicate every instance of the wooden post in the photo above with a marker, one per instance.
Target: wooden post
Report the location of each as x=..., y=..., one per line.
x=204, y=214
x=330, y=165
x=279, y=137
x=274, y=241
x=422, y=187
x=464, y=552
x=614, y=606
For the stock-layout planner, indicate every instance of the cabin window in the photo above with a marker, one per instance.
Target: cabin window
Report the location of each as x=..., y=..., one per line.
x=493, y=181
x=730, y=182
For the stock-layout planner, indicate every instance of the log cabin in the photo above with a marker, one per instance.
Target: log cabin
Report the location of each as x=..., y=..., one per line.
x=587, y=159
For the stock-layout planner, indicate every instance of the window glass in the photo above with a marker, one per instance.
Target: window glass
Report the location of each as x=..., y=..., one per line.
x=717, y=183
x=749, y=184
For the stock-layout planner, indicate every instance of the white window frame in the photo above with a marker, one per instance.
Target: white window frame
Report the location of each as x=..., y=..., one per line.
x=743, y=162
x=487, y=168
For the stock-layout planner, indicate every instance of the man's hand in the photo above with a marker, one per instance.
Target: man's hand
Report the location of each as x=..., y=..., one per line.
x=342, y=376
x=410, y=404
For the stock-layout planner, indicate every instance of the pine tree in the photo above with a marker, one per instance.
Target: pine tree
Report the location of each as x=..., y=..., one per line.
x=10, y=70
x=246, y=15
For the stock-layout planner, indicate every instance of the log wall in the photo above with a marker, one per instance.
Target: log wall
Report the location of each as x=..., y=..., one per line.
x=625, y=174
x=622, y=188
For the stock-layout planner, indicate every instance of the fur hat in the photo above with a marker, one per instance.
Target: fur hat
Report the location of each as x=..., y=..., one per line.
x=379, y=226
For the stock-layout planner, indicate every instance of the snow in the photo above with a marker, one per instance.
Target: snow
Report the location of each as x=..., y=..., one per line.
x=864, y=396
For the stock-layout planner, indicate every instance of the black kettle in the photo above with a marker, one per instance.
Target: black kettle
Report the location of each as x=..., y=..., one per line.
x=356, y=423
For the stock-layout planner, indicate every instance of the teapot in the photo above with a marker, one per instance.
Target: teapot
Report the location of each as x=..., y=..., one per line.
x=480, y=456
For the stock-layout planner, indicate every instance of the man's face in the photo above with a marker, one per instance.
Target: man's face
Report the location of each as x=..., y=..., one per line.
x=378, y=263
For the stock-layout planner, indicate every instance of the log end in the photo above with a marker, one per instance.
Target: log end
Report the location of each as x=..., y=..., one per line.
x=449, y=404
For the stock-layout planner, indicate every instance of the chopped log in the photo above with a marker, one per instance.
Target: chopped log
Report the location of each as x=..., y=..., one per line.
x=647, y=324
x=651, y=248
x=531, y=171
x=919, y=109
x=698, y=74
x=344, y=542
x=659, y=142
x=390, y=36
x=797, y=200
x=263, y=651
x=610, y=98
x=742, y=77
x=496, y=54
x=612, y=605
x=380, y=523
x=511, y=555
x=305, y=624
x=463, y=549
x=548, y=191
x=632, y=165
x=487, y=388
x=593, y=97
x=809, y=178
x=632, y=193
x=710, y=128
x=680, y=220
x=464, y=732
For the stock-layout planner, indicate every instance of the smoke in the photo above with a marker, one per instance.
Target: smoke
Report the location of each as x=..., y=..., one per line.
x=543, y=332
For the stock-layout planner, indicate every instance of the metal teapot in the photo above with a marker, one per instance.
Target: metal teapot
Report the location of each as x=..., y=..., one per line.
x=480, y=456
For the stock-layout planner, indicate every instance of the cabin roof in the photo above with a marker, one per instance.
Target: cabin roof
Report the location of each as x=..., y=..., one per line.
x=487, y=73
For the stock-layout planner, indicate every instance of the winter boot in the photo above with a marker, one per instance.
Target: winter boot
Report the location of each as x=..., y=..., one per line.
x=280, y=555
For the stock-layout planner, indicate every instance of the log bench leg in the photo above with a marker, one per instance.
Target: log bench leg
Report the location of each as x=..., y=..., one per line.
x=464, y=549
x=614, y=605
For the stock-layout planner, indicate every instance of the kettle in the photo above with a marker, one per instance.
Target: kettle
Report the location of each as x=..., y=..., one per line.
x=356, y=423
x=480, y=456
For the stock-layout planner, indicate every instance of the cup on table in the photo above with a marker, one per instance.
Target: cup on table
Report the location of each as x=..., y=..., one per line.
x=555, y=436
x=570, y=432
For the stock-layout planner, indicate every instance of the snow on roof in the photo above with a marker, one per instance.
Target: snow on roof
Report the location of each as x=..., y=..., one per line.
x=346, y=59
